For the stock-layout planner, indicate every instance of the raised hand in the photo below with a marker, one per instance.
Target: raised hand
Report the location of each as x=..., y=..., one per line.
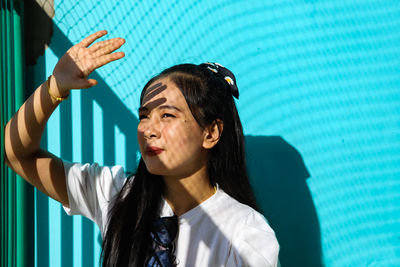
x=74, y=67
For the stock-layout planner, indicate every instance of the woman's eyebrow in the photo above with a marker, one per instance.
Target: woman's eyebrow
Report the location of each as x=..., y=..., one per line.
x=144, y=108
x=169, y=107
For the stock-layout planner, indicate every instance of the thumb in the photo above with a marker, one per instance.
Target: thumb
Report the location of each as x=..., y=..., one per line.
x=86, y=83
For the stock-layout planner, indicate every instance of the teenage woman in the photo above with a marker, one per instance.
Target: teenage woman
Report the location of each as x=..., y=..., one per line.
x=189, y=203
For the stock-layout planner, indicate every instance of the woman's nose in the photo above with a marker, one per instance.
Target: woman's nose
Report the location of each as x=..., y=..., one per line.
x=151, y=130
x=149, y=133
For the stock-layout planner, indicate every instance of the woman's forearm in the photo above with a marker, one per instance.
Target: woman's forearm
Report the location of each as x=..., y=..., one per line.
x=24, y=130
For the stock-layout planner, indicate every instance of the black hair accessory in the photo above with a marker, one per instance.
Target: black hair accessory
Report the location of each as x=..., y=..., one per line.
x=225, y=74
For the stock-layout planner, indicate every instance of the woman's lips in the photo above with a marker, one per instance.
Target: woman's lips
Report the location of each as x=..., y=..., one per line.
x=153, y=150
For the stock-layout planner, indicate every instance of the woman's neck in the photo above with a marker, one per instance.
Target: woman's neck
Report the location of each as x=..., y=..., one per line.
x=186, y=193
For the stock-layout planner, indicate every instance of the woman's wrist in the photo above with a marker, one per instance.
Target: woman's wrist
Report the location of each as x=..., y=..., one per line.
x=54, y=91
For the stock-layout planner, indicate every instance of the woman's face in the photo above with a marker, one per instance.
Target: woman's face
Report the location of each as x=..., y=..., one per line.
x=170, y=139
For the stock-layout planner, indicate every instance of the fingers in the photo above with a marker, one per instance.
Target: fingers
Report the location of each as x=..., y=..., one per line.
x=90, y=58
x=107, y=46
x=91, y=38
x=101, y=61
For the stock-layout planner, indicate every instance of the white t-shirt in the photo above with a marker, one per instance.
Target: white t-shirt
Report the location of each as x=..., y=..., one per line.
x=218, y=232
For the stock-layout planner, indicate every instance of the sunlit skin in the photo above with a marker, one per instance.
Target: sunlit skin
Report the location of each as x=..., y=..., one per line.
x=174, y=145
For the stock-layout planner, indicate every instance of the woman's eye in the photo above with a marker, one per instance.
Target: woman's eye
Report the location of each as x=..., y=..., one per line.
x=168, y=115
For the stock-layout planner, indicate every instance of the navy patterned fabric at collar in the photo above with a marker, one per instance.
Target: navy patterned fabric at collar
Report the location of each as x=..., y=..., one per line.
x=163, y=234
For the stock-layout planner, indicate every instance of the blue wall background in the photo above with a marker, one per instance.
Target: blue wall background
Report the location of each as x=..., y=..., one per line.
x=319, y=100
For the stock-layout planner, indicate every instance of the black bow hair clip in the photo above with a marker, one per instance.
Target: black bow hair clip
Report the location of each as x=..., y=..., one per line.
x=225, y=74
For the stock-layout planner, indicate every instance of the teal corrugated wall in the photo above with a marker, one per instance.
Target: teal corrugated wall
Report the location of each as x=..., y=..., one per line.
x=319, y=100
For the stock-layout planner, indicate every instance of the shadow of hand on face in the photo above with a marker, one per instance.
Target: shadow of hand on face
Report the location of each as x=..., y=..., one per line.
x=152, y=91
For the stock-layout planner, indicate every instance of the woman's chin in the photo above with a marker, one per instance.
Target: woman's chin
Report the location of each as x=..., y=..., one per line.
x=156, y=169
x=161, y=170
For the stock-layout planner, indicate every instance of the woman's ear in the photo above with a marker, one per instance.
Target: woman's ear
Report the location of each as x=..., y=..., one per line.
x=212, y=133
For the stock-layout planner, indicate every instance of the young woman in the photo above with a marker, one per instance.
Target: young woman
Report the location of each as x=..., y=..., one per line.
x=189, y=203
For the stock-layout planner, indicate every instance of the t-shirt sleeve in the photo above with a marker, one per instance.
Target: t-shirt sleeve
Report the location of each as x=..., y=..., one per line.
x=255, y=244
x=91, y=187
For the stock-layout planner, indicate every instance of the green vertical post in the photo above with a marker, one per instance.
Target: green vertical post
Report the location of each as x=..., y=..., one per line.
x=10, y=107
x=3, y=209
x=23, y=244
x=15, y=246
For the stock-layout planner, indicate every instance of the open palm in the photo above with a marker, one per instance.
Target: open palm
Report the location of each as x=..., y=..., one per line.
x=74, y=67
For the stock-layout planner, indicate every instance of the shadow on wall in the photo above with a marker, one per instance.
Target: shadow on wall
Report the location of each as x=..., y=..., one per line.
x=278, y=175
x=38, y=29
x=115, y=114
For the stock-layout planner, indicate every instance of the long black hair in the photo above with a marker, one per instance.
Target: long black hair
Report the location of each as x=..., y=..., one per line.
x=127, y=239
